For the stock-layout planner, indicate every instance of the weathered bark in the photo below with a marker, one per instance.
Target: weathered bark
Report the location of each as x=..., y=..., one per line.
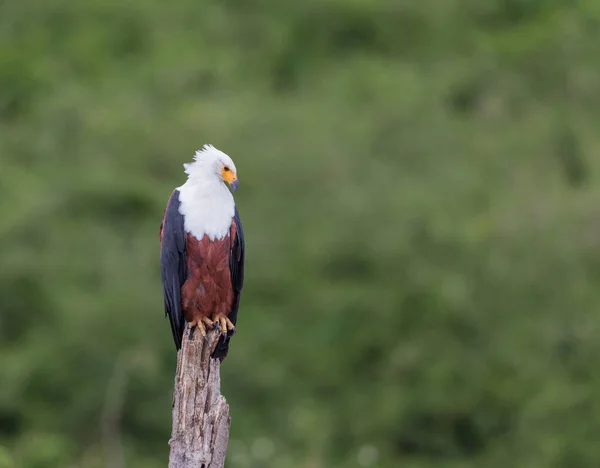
x=200, y=413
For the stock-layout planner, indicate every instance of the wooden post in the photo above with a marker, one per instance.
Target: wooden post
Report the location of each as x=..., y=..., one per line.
x=201, y=418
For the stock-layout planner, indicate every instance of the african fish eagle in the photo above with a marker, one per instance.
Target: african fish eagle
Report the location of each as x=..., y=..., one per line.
x=202, y=250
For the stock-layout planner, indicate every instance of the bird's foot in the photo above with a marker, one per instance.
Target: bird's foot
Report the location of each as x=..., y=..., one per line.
x=201, y=324
x=223, y=324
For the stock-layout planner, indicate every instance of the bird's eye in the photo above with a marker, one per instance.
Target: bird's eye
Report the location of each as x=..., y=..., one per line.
x=226, y=169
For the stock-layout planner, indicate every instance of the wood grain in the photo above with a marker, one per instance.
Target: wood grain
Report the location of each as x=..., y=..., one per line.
x=201, y=418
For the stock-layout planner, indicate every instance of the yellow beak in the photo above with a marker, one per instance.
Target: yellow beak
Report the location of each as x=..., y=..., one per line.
x=231, y=179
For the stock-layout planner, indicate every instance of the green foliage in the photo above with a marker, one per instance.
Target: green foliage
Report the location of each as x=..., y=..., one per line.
x=418, y=186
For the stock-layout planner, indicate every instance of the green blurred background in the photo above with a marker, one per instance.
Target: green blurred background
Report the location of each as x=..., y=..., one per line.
x=419, y=193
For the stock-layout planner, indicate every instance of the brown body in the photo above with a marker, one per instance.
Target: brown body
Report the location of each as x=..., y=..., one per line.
x=207, y=291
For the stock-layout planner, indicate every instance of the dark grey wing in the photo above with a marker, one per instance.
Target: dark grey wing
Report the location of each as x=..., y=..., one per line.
x=236, y=268
x=173, y=265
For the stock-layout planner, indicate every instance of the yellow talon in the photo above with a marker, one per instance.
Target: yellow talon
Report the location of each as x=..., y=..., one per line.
x=201, y=325
x=223, y=323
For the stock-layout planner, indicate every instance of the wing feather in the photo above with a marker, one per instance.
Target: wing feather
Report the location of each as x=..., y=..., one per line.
x=173, y=265
x=236, y=268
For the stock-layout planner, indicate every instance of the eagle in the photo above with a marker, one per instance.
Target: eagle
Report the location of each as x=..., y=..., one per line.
x=202, y=250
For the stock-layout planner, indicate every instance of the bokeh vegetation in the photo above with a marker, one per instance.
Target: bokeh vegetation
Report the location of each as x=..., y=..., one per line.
x=419, y=192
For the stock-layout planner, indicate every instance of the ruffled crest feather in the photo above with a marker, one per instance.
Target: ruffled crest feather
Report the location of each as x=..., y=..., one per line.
x=205, y=156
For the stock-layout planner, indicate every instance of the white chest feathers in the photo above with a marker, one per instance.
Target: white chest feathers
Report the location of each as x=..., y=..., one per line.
x=206, y=210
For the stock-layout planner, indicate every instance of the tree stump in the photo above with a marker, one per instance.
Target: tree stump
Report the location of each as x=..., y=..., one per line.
x=201, y=418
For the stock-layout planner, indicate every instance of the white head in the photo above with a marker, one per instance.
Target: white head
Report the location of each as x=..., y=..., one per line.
x=205, y=203
x=212, y=165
